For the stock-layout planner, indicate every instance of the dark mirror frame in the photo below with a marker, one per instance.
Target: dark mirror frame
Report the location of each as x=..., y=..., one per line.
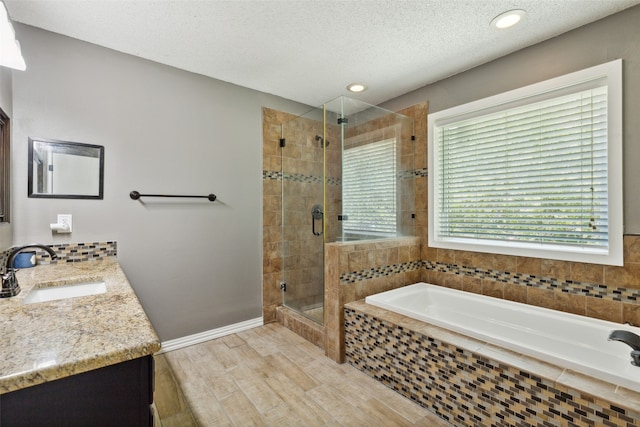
x=5, y=165
x=71, y=145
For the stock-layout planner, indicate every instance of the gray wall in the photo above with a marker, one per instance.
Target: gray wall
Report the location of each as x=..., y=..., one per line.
x=6, y=103
x=617, y=36
x=195, y=265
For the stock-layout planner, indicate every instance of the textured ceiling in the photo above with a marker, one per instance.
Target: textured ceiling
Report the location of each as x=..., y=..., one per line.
x=310, y=50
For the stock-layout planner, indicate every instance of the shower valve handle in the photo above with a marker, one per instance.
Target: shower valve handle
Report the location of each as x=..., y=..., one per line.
x=317, y=214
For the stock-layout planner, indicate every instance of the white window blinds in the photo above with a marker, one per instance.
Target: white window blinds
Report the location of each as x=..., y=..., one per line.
x=535, y=173
x=369, y=188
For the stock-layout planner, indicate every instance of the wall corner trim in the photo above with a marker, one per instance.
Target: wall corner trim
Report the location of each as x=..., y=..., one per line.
x=210, y=335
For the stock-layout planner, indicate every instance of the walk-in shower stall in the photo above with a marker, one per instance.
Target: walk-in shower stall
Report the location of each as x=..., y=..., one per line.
x=346, y=176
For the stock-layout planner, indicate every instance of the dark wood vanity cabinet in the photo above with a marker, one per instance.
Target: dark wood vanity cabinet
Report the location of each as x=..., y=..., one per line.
x=116, y=395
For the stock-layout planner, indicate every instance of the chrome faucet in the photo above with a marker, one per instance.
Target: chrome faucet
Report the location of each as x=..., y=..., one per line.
x=10, y=287
x=630, y=339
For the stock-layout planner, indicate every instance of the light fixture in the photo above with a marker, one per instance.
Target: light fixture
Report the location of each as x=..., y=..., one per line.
x=508, y=19
x=356, y=87
x=10, y=54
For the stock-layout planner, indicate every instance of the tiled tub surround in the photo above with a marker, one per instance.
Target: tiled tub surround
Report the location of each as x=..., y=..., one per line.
x=52, y=340
x=575, y=342
x=604, y=292
x=470, y=383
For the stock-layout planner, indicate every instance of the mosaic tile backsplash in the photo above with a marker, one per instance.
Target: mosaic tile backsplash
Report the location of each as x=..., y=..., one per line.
x=72, y=252
x=468, y=389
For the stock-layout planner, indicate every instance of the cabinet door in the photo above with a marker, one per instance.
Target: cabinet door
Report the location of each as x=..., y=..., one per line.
x=116, y=395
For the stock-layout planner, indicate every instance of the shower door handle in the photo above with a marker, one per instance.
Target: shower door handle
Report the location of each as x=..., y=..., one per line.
x=317, y=214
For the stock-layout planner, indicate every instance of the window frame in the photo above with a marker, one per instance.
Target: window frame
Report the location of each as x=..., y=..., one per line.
x=611, y=73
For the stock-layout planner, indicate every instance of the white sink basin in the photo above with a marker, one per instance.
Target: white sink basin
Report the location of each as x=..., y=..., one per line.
x=53, y=293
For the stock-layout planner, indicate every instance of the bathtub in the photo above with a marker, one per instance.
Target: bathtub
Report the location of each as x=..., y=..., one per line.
x=576, y=342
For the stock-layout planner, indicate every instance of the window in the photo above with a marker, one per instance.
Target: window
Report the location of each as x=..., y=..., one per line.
x=5, y=161
x=532, y=172
x=369, y=189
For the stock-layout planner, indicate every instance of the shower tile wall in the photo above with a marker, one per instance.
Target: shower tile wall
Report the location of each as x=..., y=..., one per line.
x=302, y=163
x=303, y=172
x=397, y=261
x=271, y=211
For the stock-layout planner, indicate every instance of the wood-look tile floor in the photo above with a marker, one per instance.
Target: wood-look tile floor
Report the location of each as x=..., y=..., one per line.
x=269, y=376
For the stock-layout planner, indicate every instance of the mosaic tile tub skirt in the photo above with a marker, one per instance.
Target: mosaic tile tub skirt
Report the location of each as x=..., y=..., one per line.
x=467, y=388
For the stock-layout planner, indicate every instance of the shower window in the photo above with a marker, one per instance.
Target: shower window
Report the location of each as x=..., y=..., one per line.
x=369, y=189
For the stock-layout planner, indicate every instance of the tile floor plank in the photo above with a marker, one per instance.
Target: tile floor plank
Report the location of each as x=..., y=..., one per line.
x=269, y=376
x=283, y=416
x=241, y=411
x=222, y=352
x=281, y=363
x=256, y=389
x=344, y=412
x=305, y=408
x=383, y=414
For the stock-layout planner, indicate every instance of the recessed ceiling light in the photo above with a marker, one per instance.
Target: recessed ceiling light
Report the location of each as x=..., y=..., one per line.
x=356, y=87
x=508, y=19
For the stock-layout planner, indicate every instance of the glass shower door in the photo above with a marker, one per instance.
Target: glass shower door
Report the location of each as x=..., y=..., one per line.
x=303, y=215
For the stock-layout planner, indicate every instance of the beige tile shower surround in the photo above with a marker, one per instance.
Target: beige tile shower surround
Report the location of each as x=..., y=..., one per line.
x=604, y=292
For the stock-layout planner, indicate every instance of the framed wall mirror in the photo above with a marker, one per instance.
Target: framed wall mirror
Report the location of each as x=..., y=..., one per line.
x=65, y=170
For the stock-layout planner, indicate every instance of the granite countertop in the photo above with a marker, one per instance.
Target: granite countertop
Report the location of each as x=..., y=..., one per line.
x=46, y=341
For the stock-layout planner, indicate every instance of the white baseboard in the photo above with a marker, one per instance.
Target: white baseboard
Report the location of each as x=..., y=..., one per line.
x=210, y=335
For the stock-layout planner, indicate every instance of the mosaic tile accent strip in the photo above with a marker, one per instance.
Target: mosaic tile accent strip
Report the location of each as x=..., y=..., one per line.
x=413, y=173
x=593, y=290
x=465, y=388
x=72, y=252
x=297, y=177
x=423, y=172
x=568, y=286
x=276, y=176
x=334, y=181
x=387, y=270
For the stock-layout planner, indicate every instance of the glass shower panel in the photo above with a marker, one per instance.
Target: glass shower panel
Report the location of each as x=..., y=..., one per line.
x=303, y=214
x=371, y=179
